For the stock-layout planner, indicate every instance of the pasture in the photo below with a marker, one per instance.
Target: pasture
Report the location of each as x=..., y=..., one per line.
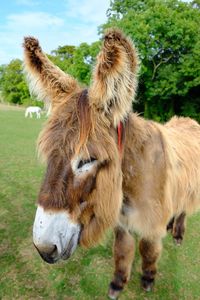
x=23, y=275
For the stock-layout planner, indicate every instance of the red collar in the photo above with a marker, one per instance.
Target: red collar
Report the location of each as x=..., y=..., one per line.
x=120, y=133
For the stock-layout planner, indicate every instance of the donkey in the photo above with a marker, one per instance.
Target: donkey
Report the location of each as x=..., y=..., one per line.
x=107, y=167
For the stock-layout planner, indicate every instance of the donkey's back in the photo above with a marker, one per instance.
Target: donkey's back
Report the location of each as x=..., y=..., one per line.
x=182, y=136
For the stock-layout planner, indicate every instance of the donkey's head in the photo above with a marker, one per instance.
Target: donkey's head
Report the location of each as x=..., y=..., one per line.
x=81, y=194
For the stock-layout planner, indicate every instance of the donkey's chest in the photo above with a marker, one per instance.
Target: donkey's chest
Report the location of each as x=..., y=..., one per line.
x=133, y=218
x=142, y=217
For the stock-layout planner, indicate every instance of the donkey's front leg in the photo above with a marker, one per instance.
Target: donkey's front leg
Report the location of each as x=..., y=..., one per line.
x=123, y=256
x=150, y=251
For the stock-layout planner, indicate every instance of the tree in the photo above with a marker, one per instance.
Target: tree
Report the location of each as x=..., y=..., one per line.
x=84, y=58
x=13, y=85
x=166, y=32
x=63, y=56
x=12, y=82
x=77, y=61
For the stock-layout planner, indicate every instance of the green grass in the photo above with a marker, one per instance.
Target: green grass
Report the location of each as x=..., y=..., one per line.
x=23, y=275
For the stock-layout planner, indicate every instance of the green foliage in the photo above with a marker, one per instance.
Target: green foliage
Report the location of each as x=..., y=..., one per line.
x=63, y=56
x=76, y=61
x=84, y=58
x=166, y=32
x=13, y=86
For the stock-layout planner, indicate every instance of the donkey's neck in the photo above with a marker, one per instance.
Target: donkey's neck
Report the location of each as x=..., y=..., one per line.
x=143, y=142
x=137, y=131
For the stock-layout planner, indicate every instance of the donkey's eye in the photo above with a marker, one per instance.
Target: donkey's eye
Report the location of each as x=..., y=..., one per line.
x=82, y=166
x=84, y=162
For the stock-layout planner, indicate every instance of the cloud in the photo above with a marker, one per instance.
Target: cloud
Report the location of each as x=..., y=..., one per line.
x=5, y=56
x=27, y=2
x=69, y=22
x=32, y=20
x=88, y=11
x=38, y=24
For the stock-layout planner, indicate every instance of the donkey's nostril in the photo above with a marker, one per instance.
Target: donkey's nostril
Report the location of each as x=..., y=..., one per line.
x=48, y=249
x=54, y=251
x=48, y=253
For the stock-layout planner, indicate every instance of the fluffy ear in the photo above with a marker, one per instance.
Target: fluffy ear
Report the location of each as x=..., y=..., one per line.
x=115, y=76
x=45, y=79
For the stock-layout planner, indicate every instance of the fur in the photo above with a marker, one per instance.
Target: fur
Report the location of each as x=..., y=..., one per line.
x=153, y=180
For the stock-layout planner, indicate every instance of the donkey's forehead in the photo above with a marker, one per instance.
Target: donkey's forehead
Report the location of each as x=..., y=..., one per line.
x=72, y=127
x=60, y=134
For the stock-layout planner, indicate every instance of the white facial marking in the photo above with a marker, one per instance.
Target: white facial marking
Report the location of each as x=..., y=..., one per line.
x=86, y=167
x=55, y=228
x=74, y=163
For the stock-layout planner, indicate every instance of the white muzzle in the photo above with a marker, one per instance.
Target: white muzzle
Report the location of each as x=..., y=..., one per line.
x=54, y=234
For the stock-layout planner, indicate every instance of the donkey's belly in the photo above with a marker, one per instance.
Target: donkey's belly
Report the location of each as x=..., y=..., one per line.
x=142, y=222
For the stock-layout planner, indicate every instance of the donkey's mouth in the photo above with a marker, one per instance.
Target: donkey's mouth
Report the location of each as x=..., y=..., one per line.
x=70, y=248
x=52, y=256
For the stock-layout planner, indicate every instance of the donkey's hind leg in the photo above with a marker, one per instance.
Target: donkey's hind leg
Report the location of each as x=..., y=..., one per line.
x=123, y=256
x=179, y=228
x=150, y=251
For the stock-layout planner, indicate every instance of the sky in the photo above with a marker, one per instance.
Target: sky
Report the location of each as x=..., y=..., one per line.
x=53, y=22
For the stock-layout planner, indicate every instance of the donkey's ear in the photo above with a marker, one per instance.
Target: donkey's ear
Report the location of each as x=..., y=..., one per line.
x=45, y=79
x=115, y=76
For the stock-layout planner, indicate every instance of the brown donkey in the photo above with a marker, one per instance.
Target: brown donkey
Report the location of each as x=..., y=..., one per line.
x=106, y=166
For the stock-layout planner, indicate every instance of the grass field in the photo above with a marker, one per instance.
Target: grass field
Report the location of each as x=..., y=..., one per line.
x=23, y=275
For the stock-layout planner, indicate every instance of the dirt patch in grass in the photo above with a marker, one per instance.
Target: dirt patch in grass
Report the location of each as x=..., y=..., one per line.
x=8, y=107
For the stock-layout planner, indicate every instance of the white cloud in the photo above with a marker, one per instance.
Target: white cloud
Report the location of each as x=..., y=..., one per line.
x=27, y=2
x=88, y=11
x=73, y=25
x=32, y=20
x=38, y=24
x=5, y=56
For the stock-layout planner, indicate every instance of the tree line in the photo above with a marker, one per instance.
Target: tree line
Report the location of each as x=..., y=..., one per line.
x=167, y=35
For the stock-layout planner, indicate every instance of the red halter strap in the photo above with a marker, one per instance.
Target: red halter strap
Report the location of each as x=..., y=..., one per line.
x=119, y=133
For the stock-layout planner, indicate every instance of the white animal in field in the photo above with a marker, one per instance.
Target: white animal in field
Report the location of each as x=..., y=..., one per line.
x=31, y=110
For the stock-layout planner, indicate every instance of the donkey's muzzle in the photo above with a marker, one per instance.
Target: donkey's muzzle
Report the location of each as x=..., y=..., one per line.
x=55, y=235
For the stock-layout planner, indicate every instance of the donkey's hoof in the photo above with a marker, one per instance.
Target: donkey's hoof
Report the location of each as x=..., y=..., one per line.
x=112, y=294
x=147, y=284
x=178, y=241
x=114, y=291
